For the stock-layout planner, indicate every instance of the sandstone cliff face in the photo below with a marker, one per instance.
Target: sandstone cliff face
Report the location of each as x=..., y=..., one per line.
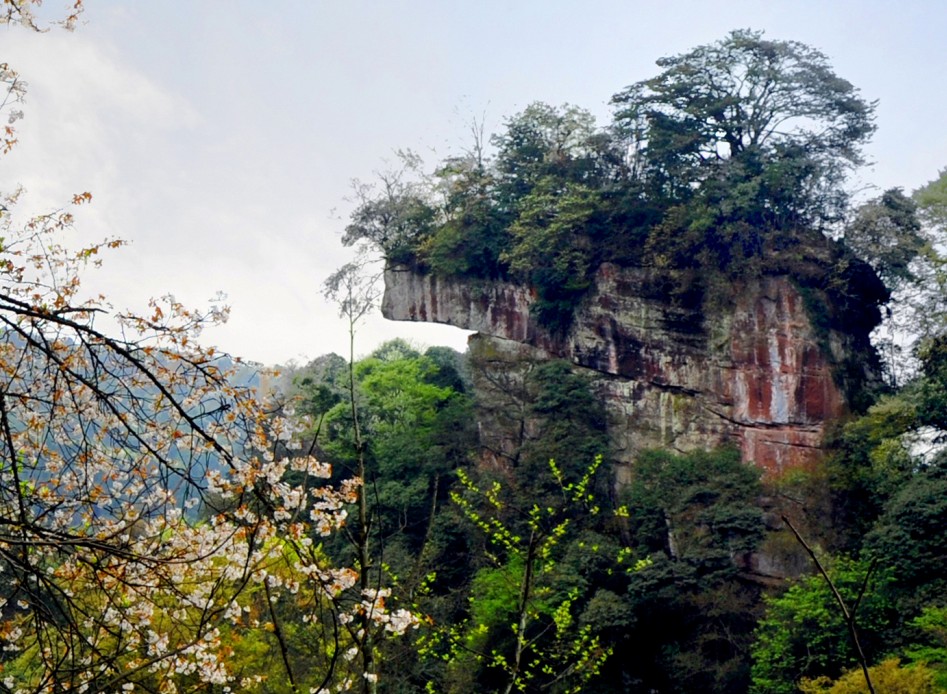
x=750, y=371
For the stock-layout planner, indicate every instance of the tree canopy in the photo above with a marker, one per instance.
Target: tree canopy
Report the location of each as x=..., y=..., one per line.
x=770, y=119
x=734, y=149
x=742, y=94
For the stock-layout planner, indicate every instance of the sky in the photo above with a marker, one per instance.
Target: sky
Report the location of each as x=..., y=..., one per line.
x=221, y=137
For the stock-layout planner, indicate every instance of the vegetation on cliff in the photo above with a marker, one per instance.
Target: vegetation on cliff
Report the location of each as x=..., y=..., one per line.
x=164, y=529
x=728, y=163
x=655, y=586
x=731, y=163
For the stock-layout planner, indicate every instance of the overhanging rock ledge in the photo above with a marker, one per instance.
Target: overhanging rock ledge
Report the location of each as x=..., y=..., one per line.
x=751, y=370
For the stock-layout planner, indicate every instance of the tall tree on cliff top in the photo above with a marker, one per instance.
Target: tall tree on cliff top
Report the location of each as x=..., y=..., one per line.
x=771, y=113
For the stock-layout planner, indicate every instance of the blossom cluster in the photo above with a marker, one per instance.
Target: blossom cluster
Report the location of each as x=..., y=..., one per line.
x=148, y=518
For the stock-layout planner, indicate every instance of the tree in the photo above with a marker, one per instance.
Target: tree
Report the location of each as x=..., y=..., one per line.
x=805, y=634
x=416, y=427
x=472, y=235
x=142, y=496
x=696, y=519
x=393, y=214
x=774, y=111
x=561, y=144
x=908, y=538
x=696, y=506
x=405, y=412
x=927, y=304
x=568, y=424
x=887, y=234
x=523, y=634
x=354, y=287
x=551, y=247
x=931, y=199
x=932, y=395
x=147, y=521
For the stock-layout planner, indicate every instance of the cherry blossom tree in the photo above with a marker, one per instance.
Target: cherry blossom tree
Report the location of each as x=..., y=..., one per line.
x=149, y=530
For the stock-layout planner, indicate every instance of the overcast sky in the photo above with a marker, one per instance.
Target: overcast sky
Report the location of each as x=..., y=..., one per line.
x=221, y=137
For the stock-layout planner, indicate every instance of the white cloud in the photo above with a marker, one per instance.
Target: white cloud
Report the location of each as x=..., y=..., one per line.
x=87, y=114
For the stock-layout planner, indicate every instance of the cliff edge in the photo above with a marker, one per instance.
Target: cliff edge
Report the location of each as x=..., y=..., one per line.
x=750, y=369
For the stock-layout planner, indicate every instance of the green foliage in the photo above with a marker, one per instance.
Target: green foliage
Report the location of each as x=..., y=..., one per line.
x=804, y=633
x=494, y=594
x=473, y=234
x=545, y=143
x=415, y=428
x=932, y=398
x=931, y=647
x=552, y=246
x=398, y=395
x=909, y=537
x=542, y=151
x=886, y=232
x=931, y=200
x=417, y=424
x=870, y=460
x=404, y=399
x=760, y=113
x=695, y=517
x=522, y=634
x=570, y=426
x=698, y=506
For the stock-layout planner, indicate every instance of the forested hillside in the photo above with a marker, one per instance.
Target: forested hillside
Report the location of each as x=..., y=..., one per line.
x=728, y=166
x=171, y=522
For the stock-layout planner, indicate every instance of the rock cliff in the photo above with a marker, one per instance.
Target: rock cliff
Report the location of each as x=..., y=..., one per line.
x=749, y=369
